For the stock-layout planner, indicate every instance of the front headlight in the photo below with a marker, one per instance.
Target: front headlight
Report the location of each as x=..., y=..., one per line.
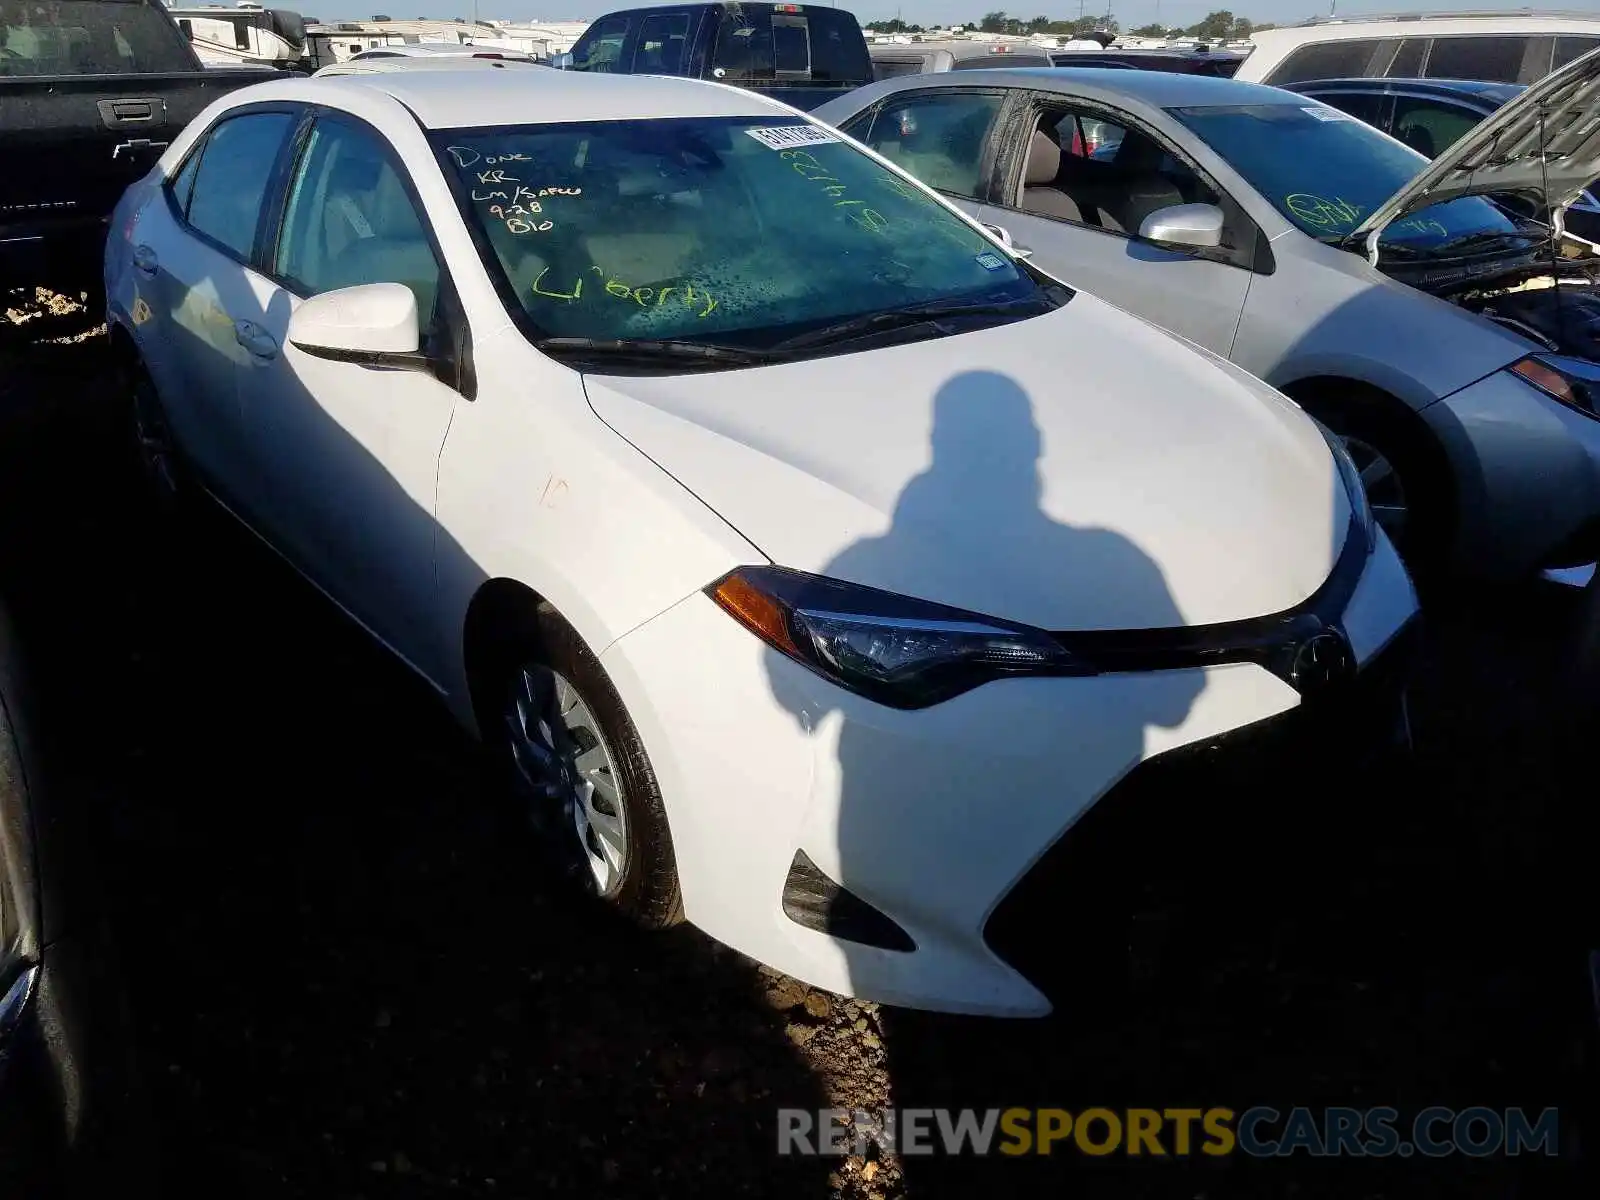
x=901, y=652
x=1573, y=381
x=1353, y=487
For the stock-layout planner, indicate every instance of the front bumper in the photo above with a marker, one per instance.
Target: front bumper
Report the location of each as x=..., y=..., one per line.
x=930, y=817
x=1527, y=472
x=1094, y=875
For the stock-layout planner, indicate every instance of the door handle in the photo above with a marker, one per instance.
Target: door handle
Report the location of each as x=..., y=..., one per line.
x=132, y=110
x=255, y=339
x=145, y=260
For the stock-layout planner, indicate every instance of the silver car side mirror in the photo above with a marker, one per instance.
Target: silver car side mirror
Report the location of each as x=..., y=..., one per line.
x=1184, y=225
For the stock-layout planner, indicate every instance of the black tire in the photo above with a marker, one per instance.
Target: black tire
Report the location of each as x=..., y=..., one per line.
x=155, y=452
x=1383, y=423
x=648, y=891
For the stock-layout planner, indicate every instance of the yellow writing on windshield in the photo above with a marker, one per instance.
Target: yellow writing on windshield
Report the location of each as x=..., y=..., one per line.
x=1424, y=225
x=808, y=168
x=1324, y=214
x=697, y=300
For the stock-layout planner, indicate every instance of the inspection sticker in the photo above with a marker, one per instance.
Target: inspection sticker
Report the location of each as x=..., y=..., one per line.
x=786, y=137
x=990, y=261
x=1323, y=112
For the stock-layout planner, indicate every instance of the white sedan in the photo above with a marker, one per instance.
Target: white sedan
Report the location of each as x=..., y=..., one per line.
x=815, y=563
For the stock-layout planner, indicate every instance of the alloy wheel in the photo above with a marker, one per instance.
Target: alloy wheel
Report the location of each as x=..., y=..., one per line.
x=569, y=774
x=1385, y=490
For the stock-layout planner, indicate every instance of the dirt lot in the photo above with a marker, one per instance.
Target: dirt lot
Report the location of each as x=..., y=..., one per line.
x=349, y=981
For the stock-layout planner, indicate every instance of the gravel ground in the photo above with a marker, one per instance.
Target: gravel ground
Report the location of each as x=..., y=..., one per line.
x=348, y=981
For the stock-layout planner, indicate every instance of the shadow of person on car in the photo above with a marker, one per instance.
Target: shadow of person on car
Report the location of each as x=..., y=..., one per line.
x=942, y=809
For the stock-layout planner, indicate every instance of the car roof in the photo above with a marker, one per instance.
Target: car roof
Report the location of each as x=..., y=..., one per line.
x=473, y=98
x=410, y=63
x=1158, y=89
x=1497, y=93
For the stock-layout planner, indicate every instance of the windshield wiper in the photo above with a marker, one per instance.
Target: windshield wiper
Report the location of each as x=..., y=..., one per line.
x=900, y=318
x=652, y=350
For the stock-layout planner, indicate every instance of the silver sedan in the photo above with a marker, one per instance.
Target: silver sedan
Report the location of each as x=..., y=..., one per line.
x=1407, y=306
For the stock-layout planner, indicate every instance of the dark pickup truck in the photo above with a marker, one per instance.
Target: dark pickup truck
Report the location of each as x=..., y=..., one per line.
x=802, y=54
x=91, y=92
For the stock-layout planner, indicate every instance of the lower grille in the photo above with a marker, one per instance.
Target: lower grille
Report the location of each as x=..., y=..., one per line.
x=1066, y=924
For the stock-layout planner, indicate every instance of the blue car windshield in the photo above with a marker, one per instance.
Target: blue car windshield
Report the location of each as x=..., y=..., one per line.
x=741, y=230
x=1326, y=172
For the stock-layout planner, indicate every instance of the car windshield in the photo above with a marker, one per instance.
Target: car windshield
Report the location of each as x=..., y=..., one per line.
x=734, y=231
x=1326, y=171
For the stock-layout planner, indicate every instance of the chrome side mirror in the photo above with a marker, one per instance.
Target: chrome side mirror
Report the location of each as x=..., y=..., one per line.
x=1184, y=225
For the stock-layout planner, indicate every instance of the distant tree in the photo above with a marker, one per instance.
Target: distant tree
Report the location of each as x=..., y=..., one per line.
x=1242, y=28
x=1216, y=27
x=1152, y=30
x=994, y=22
x=896, y=25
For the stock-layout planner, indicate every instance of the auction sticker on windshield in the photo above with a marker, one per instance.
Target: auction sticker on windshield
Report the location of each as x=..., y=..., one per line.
x=786, y=137
x=1323, y=112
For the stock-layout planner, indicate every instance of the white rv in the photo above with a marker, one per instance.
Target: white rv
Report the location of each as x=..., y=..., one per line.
x=247, y=35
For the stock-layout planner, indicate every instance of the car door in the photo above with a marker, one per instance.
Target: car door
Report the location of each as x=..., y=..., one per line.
x=1078, y=185
x=190, y=257
x=350, y=453
x=943, y=135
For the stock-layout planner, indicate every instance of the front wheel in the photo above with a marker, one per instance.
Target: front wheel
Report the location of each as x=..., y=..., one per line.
x=1403, y=471
x=580, y=771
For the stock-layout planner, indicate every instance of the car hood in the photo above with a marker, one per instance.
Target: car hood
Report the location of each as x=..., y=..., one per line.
x=1544, y=144
x=1077, y=470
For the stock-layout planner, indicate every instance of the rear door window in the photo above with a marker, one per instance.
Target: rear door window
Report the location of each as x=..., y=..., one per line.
x=940, y=137
x=1409, y=56
x=600, y=48
x=819, y=44
x=662, y=39
x=1569, y=48
x=1488, y=59
x=230, y=185
x=88, y=37
x=1429, y=126
x=1346, y=59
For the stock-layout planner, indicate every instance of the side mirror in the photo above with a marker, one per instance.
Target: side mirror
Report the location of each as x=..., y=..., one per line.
x=1184, y=225
x=371, y=324
x=1004, y=234
x=561, y=61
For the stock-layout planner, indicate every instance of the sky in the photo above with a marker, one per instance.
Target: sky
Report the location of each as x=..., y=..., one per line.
x=1131, y=13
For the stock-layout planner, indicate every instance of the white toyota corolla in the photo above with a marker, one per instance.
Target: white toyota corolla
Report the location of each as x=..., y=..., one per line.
x=817, y=562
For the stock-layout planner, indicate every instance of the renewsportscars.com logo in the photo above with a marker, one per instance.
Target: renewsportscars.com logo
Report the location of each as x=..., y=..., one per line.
x=1259, y=1132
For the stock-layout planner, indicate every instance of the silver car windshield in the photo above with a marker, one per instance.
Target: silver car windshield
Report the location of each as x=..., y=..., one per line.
x=1326, y=172
x=691, y=227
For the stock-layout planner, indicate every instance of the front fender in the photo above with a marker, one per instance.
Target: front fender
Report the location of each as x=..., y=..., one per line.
x=535, y=488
